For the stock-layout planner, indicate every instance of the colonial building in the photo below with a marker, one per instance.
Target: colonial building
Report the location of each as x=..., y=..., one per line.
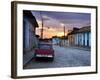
x=71, y=36
x=80, y=37
x=29, y=27
x=64, y=41
x=56, y=40
x=61, y=41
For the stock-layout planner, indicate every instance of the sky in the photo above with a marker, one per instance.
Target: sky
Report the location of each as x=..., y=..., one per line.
x=54, y=22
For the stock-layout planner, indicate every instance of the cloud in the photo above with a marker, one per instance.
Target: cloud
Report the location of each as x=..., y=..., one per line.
x=53, y=20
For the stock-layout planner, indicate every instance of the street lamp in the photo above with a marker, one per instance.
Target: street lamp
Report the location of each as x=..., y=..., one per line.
x=42, y=25
x=63, y=31
x=63, y=28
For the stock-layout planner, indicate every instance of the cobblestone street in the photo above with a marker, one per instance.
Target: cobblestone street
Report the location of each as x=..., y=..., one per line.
x=64, y=57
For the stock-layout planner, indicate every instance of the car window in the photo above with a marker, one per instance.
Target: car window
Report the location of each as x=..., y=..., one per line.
x=45, y=46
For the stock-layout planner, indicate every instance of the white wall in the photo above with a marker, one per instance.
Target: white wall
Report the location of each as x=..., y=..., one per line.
x=89, y=39
x=85, y=39
x=26, y=35
x=82, y=39
x=5, y=41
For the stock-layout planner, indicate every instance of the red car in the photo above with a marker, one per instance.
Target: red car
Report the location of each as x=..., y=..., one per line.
x=45, y=50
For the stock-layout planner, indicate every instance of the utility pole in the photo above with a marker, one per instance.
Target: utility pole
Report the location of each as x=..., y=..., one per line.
x=64, y=35
x=42, y=25
x=42, y=31
x=64, y=31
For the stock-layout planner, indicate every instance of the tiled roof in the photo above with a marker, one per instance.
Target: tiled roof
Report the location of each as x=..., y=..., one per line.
x=75, y=30
x=83, y=29
x=30, y=17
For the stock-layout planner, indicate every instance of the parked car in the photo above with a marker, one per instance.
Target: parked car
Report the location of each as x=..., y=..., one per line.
x=44, y=51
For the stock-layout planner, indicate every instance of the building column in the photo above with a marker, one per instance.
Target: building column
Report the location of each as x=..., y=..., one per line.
x=85, y=39
x=89, y=39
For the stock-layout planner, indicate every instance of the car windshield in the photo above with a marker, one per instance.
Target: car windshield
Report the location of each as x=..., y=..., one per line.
x=44, y=46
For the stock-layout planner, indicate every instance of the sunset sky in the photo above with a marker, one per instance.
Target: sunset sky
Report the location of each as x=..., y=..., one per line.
x=52, y=22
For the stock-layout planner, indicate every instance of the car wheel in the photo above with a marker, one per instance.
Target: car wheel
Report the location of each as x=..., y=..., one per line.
x=52, y=59
x=35, y=56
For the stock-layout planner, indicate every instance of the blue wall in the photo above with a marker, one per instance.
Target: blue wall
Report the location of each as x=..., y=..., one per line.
x=83, y=39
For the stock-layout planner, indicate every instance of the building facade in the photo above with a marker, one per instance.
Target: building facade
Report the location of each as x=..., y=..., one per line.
x=29, y=26
x=80, y=37
x=56, y=40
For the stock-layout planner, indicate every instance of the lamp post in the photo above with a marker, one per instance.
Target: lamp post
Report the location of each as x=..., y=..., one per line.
x=42, y=25
x=63, y=31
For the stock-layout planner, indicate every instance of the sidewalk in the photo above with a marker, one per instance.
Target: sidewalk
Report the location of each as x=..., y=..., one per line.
x=78, y=47
x=81, y=48
x=27, y=57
